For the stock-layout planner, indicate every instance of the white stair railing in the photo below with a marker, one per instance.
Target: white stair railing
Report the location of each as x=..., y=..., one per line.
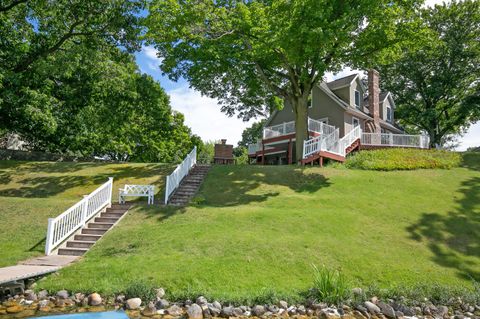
x=174, y=179
x=64, y=225
x=331, y=142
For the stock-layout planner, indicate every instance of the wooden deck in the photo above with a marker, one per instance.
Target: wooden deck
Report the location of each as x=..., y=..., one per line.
x=34, y=267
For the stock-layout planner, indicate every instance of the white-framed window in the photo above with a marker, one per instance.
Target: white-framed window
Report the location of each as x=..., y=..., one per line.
x=357, y=99
x=389, y=113
x=355, y=122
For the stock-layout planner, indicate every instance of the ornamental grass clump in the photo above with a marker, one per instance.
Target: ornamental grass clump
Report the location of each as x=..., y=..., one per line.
x=330, y=286
x=403, y=159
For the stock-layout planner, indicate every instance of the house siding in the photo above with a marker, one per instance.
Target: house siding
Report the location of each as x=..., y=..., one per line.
x=325, y=107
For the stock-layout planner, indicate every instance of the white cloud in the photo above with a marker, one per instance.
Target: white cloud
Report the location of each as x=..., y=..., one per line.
x=150, y=52
x=345, y=72
x=471, y=138
x=203, y=116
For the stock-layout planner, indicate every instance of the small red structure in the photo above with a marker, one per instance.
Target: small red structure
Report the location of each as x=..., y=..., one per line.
x=223, y=153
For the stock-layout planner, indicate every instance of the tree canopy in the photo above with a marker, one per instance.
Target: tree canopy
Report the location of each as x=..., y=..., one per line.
x=252, y=54
x=70, y=85
x=437, y=85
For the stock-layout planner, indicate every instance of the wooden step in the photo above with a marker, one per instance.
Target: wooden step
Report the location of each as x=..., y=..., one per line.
x=116, y=211
x=100, y=225
x=79, y=244
x=121, y=206
x=111, y=215
x=83, y=237
x=110, y=220
x=93, y=231
x=72, y=251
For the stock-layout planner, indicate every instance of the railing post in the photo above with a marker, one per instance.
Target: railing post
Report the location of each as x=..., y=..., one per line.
x=110, y=179
x=48, y=245
x=166, y=191
x=284, y=128
x=84, y=210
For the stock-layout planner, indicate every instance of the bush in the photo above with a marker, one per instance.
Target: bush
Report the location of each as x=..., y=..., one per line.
x=402, y=159
x=330, y=286
x=140, y=289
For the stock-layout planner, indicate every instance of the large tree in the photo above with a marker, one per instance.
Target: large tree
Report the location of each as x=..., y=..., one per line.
x=437, y=86
x=33, y=31
x=249, y=54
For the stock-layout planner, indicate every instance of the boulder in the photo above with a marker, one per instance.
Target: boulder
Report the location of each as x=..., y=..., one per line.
x=149, y=310
x=201, y=300
x=160, y=293
x=30, y=295
x=372, y=308
x=214, y=311
x=162, y=304
x=237, y=312
x=195, y=311
x=217, y=305
x=301, y=310
x=175, y=311
x=283, y=304
x=120, y=298
x=94, y=299
x=133, y=303
x=387, y=310
x=258, y=310
x=62, y=294
x=227, y=312
x=43, y=294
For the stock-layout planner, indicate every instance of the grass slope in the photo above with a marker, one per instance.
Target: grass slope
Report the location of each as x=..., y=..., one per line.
x=31, y=192
x=258, y=230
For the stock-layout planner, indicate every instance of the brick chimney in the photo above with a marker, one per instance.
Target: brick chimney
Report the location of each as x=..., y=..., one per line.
x=374, y=100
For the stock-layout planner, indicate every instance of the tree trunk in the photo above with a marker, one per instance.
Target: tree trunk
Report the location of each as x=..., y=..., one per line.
x=301, y=126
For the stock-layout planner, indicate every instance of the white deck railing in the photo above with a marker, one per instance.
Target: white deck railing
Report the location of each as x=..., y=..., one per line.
x=289, y=128
x=174, y=179
x=64, y=225
x=395, y=140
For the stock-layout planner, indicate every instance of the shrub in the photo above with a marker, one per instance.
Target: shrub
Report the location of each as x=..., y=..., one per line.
x=402, y=159
x=140, y=289
x=330, y=286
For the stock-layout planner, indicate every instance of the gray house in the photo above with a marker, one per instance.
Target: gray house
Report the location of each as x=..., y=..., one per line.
x=344, y=115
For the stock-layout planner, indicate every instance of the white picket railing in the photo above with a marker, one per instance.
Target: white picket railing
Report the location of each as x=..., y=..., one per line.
x=64, y=225
x=395, y=140
x=174, y=179
x=289, y=128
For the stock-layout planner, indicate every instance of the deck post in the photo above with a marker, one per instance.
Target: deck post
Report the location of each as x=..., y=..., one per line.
x=290, y=149
x=263, y=153
x=320, y=161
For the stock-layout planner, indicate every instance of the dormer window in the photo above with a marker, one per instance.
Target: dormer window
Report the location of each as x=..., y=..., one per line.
x=389, y=113
x=357, y=99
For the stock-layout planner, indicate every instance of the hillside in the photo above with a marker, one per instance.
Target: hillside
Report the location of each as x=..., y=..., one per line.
x=31, y=192
x=257, y=231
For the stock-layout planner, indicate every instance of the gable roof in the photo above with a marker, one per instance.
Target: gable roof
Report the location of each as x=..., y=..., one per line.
x=342, y=82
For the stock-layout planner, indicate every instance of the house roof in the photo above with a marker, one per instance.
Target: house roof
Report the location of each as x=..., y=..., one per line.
x=342, y=82
x=390, y=126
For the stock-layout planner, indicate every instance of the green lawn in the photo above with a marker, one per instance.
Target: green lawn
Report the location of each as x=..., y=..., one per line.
x=31, y=192
x=258, y=230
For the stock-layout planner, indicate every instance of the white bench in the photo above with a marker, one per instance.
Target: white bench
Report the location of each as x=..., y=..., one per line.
x=136, y=191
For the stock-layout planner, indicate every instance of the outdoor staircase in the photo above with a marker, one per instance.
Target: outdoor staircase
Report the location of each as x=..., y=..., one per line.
x=189, y=185
x=331, y=146
x=87, y=236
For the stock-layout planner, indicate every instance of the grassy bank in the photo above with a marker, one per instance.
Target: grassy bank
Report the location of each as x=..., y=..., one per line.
x=31, y=192
x=390, y=159
x=257, y=231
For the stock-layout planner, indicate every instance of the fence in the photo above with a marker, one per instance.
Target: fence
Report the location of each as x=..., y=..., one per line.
x=64, y=225
x=174, y=179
